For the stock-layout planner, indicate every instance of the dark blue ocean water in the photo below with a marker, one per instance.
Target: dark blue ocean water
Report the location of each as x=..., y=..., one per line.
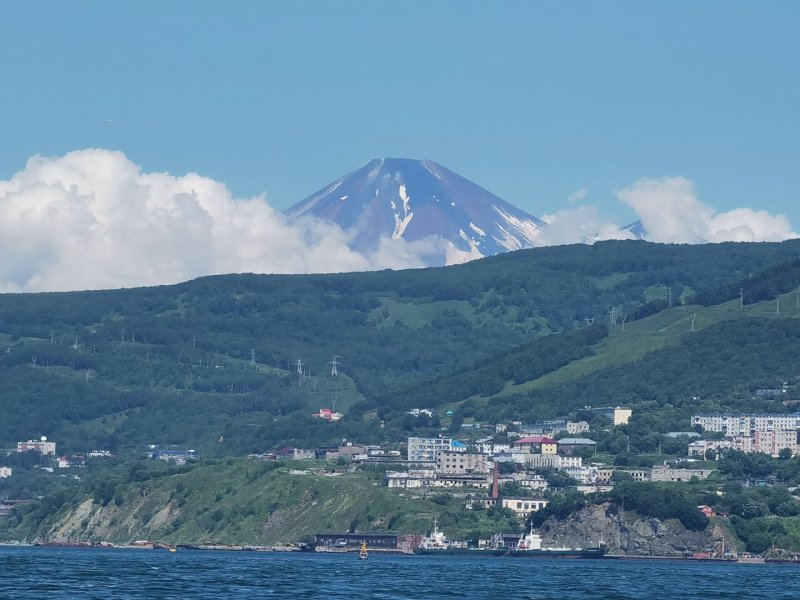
x=44, y=573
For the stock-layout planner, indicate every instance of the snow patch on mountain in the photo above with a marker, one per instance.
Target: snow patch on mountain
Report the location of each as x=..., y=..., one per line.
x=477, y=230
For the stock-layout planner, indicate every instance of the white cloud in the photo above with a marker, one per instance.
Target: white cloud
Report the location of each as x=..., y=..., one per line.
x=577, y=195
x=579, y=225
x=92, y=219
x=671, y=212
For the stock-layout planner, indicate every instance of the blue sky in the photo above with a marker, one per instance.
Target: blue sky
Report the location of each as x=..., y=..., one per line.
x=542, y=103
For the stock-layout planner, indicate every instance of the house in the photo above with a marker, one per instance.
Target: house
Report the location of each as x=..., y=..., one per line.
x=536, y=445
x=548, y=428
x=530, y=480
x=288, y=453
x=417, y=412
x=521, y=507
x=575, y=427
x=669, y=474
x=327, y=453
x=177, y=456
x=327, y=414
x=5, y=472
x=75, y=460
x=568, y=446
x=352, y=452
x=707, y=510
x=99, y=454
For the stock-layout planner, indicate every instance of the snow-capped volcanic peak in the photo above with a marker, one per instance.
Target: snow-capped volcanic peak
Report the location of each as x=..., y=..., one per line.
x=407, y=199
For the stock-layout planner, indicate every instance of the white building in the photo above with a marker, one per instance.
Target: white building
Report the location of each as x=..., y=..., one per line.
x=42, y=446
x=428, y=449
x=745, y=425
x=5, y=472
x=521, y=507
x=670, y=474
x=410, y=479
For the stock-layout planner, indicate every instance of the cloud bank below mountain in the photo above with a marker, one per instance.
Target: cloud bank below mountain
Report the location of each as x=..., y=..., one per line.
x=91, y=219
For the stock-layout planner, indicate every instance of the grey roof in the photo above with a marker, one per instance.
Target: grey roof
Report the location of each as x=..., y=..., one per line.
x=577, y=442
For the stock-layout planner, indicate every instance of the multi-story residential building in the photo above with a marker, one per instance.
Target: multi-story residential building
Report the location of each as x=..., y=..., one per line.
x=42, y=446
x=699, y=448
x=618, y=415
x=427, y=449
x=776, y=422
x=745, y=425
x=452, y=462
x=772, y=442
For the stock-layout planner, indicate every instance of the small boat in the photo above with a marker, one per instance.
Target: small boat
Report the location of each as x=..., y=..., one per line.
x=530, y=545
x=362, y=554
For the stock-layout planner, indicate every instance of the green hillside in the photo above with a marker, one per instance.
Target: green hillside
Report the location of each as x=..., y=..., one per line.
x=242, y=502
x=236, y=364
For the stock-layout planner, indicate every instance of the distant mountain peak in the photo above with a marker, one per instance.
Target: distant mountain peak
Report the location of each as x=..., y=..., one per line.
x=409, y=199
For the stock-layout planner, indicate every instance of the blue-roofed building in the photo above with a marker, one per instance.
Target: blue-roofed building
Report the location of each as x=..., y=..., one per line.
x=427, y=449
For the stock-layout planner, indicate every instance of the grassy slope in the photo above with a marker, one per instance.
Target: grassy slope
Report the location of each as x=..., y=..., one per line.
x=250, y=502
x=667, y=328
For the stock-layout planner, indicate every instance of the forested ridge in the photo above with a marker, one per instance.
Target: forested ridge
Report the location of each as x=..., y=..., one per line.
x=247, y=358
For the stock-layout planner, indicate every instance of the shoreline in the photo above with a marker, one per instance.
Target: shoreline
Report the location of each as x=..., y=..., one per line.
x=751, y=560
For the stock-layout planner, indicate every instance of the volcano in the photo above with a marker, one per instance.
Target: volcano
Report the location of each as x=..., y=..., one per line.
x=420, y=201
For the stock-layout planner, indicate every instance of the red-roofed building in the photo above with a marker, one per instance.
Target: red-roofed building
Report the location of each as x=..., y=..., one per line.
x=327, y=414
x=537, y=445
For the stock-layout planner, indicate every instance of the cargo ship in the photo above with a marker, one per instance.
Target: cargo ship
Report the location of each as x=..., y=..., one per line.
x=437, y=544
x=530, y=546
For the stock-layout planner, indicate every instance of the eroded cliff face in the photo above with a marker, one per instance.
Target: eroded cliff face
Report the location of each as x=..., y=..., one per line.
x=627, y=533
x=89, y=521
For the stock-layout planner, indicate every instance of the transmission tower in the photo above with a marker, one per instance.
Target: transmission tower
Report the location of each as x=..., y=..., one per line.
x=334, y=363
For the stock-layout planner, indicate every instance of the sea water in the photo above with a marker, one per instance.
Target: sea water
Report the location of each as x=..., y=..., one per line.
x=45, y=573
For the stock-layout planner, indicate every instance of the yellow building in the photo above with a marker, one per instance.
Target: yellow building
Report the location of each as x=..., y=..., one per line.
x=536, y=445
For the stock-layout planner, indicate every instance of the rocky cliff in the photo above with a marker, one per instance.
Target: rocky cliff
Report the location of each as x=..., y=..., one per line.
x=627, y=533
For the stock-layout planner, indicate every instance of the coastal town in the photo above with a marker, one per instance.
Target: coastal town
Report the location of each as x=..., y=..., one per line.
x=517, y=467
